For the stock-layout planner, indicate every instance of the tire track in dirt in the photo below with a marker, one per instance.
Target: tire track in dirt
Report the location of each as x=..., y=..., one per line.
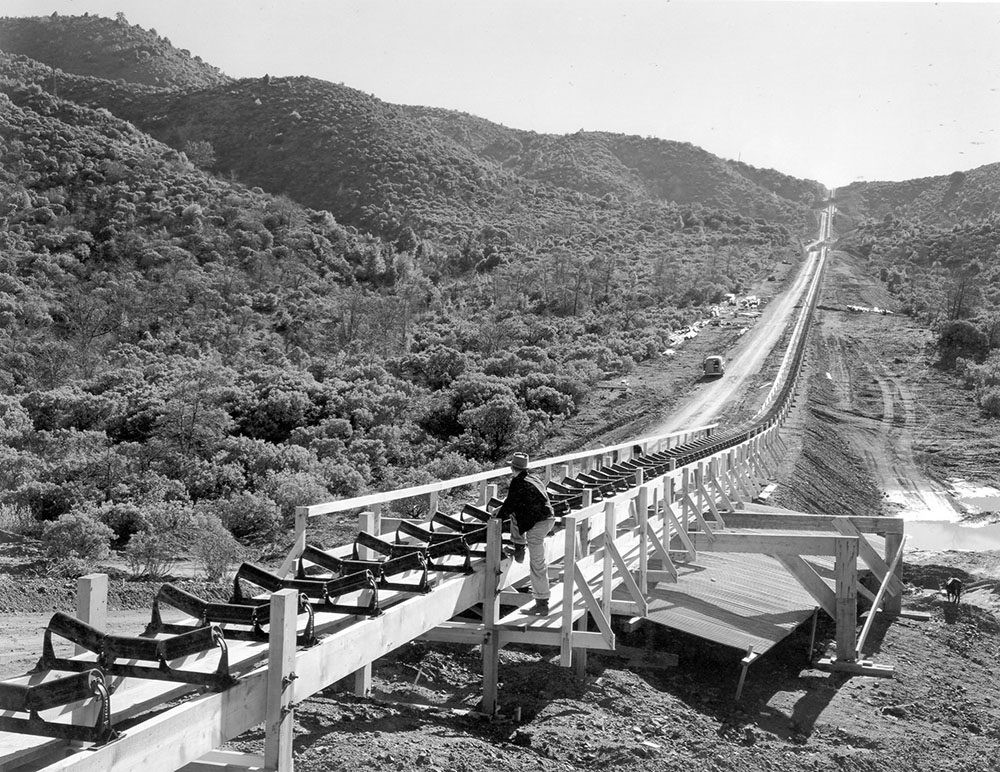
x=874, y=397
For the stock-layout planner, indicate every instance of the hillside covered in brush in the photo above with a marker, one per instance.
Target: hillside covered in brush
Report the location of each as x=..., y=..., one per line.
x=388, y=168
x=178, y=338
x=106, y=48
x=935, y=242
x=944, y=200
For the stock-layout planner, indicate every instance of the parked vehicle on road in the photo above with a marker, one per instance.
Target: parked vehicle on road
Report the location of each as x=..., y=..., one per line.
x=714, y=365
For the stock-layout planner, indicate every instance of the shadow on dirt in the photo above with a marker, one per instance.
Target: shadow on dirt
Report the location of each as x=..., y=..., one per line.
x=439, y=688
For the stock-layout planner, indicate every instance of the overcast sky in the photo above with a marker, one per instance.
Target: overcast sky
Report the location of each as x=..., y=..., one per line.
x=830, y=91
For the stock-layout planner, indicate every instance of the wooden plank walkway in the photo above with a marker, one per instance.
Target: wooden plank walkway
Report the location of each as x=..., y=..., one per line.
x=738, y=600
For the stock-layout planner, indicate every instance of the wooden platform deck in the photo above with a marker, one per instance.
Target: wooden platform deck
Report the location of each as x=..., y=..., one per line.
x=737, y=600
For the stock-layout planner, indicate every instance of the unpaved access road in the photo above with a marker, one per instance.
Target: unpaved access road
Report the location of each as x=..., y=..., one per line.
x=746, y=359
x=879, y=369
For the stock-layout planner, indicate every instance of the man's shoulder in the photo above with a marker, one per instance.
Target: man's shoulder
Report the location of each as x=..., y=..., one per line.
x=535, y=482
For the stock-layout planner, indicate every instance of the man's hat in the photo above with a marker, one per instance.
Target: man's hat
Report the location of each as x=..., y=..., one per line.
x=519, y=461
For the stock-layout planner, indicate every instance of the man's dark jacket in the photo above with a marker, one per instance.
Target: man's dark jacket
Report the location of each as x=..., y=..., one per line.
x=527, y=502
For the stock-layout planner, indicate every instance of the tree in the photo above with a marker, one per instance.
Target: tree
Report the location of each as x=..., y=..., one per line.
x=492, y=429
x=201, y=153
x=961, y=338
x=963, y=293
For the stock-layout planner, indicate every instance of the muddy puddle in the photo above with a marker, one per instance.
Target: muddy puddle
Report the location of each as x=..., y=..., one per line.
x=942, y=535
x=949, y=535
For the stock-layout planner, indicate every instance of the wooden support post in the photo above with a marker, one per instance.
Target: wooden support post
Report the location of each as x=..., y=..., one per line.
x=877, y=601
x=762, y=461
x=745, y=471
x=705, y=496
x=893, y=542
x=723, y=496
x=846, y=587
x=92, y=608
x=670, y=519
x=867, y=553
x=569, y=581
x=812, y=636
x=432, y=503
x=756, y=462
x=742, y=472
x=643, y=519
x=700, y=519
x=607, y=577
x=491, y=616
x=301, y=519
x=712, y=480
x=367, y=522
x=92, y=602
x=698, y=482
x=583, y=537
x=280, y=681
x=580, y=653
x=772, y=447
x=743, y=672
x=363, y=681
x=732, y=480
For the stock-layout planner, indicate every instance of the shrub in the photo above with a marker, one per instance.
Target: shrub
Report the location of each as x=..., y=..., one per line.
x=213, y=547
x=293, y=489
x=150, y=555
x=157, y=547
x=961, y=339
x=124, y=518
x=990, y=402
x=247, y=515
x=493, y=428
x=79, y=535
x=18, y=520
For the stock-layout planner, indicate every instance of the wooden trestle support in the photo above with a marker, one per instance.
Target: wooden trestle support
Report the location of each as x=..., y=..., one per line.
x=627, y=513
x=624, y=535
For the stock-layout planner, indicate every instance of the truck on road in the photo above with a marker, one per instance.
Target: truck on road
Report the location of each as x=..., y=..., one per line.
x=714, y=365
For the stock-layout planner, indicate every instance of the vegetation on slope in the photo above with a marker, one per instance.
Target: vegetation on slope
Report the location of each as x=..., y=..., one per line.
x=177, y=344
x=105, y=48
x=935, y=242
x=944, y=200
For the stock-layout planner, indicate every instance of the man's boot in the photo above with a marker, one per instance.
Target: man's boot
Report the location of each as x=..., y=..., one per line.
x=540, y=609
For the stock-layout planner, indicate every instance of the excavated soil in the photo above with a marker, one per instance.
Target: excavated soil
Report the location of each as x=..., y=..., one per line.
x=871, y=409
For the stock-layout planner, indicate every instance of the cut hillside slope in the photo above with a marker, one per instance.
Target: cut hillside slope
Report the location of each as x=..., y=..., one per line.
x=884, y=425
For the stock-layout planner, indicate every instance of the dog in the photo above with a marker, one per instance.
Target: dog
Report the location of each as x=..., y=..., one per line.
x=953, y=589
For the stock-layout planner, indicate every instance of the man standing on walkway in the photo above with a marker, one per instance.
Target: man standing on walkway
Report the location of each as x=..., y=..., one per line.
x=531, y=517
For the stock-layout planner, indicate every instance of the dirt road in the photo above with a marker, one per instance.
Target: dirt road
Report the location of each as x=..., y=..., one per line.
x=746, y=359
x=877, y=365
